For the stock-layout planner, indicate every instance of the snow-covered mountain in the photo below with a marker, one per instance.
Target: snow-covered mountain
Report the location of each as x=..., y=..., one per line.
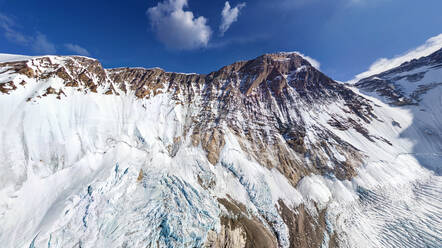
x=262, y=153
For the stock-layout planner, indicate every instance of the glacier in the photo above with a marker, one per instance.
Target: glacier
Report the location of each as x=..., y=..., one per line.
x=97, y=170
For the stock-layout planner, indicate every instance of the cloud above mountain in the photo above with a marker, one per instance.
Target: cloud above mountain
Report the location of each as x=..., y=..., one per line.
x=77, y=49
x=39, y=42
x=177, y=28
x=229, y=15
x=382, y=64
x=8, y=27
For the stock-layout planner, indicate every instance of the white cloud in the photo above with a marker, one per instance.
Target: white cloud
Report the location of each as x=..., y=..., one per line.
x=176, y=28
x=229, y=15
x=39, y=43
x=77, y=49
x=8, y=25
x=383, y=64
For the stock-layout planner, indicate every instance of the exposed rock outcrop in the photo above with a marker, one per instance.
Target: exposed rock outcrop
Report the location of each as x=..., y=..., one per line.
x=239, y=229
x=272, y=106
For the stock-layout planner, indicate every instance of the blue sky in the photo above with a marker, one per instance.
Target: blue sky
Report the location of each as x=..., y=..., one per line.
x=345, y=36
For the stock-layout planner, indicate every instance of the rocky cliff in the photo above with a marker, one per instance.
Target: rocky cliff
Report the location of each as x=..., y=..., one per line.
x=261, y=153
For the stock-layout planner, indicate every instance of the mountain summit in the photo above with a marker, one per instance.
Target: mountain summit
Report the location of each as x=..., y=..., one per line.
x=262, y=153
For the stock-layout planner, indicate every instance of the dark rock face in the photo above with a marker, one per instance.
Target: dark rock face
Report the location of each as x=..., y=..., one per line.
x=240, y=229
x=269, y=91
x=6, y=87
x=306, y=230
x=270, y=94
x=272, y=105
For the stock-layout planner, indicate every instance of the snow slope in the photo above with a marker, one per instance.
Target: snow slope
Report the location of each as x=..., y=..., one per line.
x=71, y=172
x=399, y=191
x=95, y=170
x=4, y=57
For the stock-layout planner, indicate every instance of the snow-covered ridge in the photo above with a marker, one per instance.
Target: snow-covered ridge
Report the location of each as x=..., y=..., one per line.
x=4, y=57
x=97, y=157
x=407, y=83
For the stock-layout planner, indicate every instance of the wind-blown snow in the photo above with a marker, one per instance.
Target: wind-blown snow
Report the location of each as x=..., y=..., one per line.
x=311, y=60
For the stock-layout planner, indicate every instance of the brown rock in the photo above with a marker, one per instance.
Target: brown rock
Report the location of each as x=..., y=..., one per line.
x=213, y=142
x=241, y=230
x=140, y=175
x=305, y=231
x=50, y=90
x=6, y=87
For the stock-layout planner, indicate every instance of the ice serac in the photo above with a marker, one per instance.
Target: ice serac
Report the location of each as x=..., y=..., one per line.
x=262, y=153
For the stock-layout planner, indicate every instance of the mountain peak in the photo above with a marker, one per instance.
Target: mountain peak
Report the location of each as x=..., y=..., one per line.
x=274, y=72
x=253, y=146
x=286, y=61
